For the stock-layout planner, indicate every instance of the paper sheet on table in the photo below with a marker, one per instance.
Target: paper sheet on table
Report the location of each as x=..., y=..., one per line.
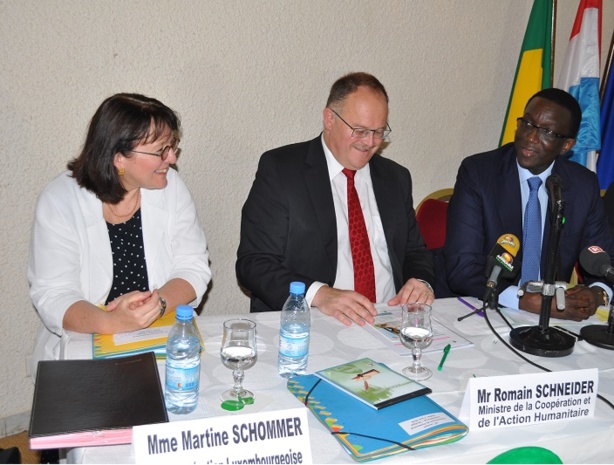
x=386, y=328
x=518, y=317
x=523, y=318
x=141, y=335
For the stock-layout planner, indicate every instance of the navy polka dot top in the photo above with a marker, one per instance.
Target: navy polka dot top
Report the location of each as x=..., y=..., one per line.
x=129, y=267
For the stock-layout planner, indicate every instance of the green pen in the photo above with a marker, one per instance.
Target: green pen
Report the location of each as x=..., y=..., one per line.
x=446, y=350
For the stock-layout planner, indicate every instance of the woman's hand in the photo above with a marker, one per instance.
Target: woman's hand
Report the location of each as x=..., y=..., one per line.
x=134, y=310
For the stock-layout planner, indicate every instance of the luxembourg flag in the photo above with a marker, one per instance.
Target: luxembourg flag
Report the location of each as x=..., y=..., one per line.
x=580, y=77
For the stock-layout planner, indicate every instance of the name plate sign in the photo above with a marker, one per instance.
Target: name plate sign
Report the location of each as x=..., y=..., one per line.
x=527, y=399
x=264, y=437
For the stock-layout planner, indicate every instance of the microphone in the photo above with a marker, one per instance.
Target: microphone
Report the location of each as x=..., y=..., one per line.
x=553, y=184
x=502, y=263
x=597, y=262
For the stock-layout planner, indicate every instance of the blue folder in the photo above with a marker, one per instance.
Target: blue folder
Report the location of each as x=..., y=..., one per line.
x=369, y=434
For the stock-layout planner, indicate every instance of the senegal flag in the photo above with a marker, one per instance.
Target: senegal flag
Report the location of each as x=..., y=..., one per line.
x=534, y=69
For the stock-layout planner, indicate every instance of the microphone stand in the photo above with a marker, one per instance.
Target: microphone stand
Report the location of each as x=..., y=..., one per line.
x=600, y=335
x=490, y=300
x=477, y=310
x=542, y=340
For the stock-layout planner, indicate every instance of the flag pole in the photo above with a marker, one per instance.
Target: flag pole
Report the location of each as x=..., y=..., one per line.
x=608, y=68
x=553, y=40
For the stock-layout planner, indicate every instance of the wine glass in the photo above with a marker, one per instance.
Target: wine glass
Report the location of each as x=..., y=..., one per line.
x=416, y=333
x=238, y=352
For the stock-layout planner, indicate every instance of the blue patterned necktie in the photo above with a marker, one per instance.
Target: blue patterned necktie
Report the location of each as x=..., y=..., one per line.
x=532, y=243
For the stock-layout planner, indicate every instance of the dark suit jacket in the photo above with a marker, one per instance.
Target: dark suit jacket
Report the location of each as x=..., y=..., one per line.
x=289, y=231
x=486, y=204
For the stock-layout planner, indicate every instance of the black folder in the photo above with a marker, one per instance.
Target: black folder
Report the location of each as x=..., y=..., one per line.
x=94, y=402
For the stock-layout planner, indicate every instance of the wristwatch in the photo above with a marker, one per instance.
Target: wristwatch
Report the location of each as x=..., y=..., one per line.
x=162, y=306
x=604, y=296
x=427, y=285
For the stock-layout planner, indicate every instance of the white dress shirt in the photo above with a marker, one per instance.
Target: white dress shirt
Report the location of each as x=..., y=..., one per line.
x=384, y=282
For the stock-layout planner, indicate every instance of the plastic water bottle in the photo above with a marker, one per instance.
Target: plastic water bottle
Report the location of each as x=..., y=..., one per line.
x=182, y=363
x=294, y=333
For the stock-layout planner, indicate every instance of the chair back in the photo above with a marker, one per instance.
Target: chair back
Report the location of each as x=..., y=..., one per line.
x=431, y=218
x=431, y=215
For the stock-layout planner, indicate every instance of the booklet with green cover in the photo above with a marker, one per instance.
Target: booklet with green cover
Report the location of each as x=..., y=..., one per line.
x=373, y=383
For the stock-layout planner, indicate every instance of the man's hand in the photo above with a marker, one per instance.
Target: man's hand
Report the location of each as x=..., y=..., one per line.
x=346, y=306
x=584, y=299
x=413, y=291
x=581, y=302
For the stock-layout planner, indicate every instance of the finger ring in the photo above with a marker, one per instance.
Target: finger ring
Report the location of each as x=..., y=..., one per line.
x=162, y=303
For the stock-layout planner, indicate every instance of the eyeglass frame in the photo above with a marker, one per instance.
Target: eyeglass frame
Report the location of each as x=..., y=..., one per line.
x=163, y=154
x=385, y=133
x=544, y=134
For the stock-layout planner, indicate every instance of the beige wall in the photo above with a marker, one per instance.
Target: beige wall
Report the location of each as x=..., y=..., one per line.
x=245, y=77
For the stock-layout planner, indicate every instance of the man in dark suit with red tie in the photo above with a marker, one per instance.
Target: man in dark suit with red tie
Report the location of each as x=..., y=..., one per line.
x=302, y=219
x=491, y=198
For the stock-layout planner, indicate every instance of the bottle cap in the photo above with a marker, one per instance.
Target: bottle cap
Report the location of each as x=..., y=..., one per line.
x=297, y=287
x=184, y=312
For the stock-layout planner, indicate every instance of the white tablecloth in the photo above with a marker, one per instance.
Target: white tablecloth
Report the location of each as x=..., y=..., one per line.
x=574, y=441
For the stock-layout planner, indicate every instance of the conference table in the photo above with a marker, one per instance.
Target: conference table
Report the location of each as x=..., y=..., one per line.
x=587, y=440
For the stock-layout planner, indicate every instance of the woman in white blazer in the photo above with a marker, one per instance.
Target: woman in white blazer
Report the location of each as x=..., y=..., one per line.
x=116, y=239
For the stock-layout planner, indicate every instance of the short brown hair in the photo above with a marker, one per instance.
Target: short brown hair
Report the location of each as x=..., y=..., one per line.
x=348, y=84
x=121, y=122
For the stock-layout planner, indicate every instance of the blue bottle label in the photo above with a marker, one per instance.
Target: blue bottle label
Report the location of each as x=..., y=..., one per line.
x=293, y=346
x=182, y=379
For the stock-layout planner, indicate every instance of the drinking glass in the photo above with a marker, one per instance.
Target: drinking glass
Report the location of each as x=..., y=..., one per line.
x=238, y=352
x=416, y=333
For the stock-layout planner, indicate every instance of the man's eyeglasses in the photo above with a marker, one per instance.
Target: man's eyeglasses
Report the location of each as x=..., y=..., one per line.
x=361, y=133
x=545, y=134
x=163, y=154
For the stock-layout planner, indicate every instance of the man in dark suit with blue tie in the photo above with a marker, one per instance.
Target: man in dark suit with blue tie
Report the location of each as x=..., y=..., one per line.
x=297, y=224
x=493, y=196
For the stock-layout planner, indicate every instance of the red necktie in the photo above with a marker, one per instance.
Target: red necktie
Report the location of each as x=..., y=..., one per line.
x=364, y=275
